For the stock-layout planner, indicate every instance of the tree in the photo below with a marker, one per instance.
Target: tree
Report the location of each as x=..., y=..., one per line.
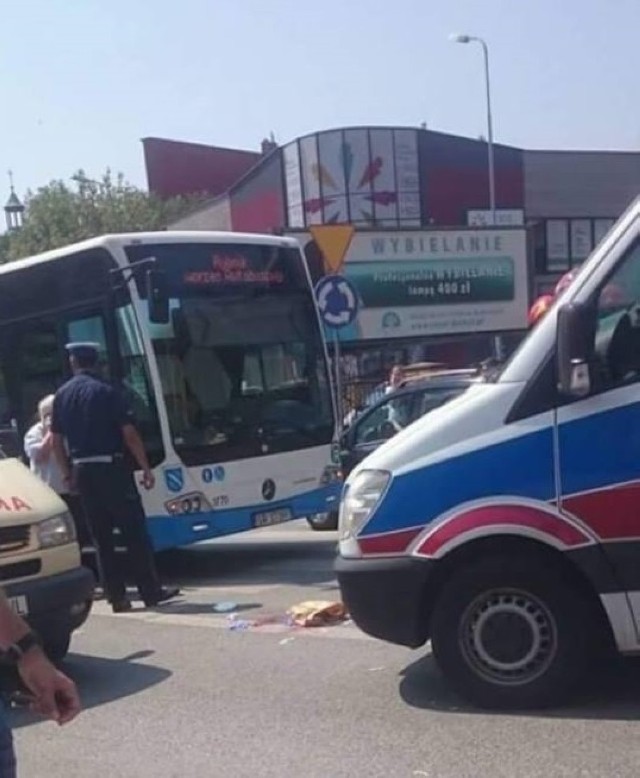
x=58, y=214
x=4, y=247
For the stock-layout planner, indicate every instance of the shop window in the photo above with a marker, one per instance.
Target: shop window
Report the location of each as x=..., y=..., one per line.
x=565, y=243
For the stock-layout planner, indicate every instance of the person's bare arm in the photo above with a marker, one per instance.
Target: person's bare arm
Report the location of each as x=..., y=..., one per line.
x=37, y=446
x=134, y=443
x=55, y=695
x=45, y=448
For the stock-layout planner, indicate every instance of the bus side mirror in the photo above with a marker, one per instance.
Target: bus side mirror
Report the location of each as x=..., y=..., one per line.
x=157, y=297
x=574, y=349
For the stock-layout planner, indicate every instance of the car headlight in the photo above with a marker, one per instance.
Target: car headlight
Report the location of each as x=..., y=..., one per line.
x=56, y=531
x=360, y=500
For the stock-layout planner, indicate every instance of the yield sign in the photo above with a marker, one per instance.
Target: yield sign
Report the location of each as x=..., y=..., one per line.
x=333, y=241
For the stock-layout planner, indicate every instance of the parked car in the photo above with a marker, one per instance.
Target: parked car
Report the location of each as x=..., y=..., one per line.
x=391, y=413
x=397, y=410
x=411, y=372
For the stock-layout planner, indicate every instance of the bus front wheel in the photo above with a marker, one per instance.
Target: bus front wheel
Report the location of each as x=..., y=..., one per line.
x=512, y=632
x=323, y=522
x=56, y=647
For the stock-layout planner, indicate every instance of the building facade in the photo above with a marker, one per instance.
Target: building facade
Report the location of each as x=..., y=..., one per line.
x=400, y=180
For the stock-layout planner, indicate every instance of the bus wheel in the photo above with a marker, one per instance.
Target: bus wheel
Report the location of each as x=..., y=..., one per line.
x=511, y=632
x=56, y=647
x=323, y=522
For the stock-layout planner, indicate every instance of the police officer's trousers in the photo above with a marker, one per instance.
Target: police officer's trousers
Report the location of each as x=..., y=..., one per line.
x=110, y=500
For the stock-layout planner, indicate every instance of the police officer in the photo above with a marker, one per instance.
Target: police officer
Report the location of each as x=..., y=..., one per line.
x=97, y=425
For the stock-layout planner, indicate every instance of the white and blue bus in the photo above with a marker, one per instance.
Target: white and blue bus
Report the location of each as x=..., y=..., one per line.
x=216, y=341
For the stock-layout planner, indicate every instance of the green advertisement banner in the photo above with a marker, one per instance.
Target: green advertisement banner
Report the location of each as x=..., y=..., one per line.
x=433, y=282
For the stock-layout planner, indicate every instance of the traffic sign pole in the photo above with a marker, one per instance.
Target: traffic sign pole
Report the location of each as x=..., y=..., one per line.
x=338, y=304
x=338, y=374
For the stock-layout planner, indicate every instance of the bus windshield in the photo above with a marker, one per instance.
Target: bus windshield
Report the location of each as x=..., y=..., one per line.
x=241, y=362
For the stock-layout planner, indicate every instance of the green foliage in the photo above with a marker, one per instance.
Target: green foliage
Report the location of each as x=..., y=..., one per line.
x=59, y=214
x=4, y=248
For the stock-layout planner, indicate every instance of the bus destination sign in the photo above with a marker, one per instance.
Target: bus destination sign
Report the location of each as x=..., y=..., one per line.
x=234, y=268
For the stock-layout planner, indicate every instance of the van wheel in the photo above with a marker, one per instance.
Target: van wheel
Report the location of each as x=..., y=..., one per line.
x=56, y=647
x=512, y=632
x=323, y=522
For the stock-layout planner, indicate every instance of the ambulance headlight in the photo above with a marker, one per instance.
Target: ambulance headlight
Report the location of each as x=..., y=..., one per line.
x=360, y=499
x=56, y=531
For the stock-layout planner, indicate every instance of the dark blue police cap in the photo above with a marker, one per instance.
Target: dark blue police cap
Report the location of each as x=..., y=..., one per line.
x=83, y=350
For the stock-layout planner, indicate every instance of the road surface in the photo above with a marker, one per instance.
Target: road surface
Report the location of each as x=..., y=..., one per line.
x=177, y=693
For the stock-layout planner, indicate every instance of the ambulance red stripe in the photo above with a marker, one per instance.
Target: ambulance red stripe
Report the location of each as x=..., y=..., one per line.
x=513, y=515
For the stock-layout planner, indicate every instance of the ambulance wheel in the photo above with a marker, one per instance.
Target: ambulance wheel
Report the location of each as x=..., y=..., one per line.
x=323, y=522
x=56, y=647
x=511, y=632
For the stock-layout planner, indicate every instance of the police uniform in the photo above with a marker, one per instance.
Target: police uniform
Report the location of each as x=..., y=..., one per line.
x=90, y=414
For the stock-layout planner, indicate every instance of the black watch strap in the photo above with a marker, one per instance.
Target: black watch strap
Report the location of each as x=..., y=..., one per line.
x=17, y=650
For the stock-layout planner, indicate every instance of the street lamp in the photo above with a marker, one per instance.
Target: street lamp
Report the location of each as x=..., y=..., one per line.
x=456, y=38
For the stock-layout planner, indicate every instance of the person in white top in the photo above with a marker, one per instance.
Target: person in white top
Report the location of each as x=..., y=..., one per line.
x=42, y=461
x=39, y=450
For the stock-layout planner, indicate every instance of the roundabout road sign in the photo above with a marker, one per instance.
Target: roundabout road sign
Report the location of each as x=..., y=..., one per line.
x=337, y=301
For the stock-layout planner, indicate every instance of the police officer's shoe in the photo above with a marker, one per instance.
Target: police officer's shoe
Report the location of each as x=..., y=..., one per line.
x=121, y=606
x=164, y=594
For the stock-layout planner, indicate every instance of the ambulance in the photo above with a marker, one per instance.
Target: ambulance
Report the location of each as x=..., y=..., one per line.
x=504, y=527
x=40, y=570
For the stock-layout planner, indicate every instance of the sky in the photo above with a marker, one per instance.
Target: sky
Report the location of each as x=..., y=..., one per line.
x=82, y=81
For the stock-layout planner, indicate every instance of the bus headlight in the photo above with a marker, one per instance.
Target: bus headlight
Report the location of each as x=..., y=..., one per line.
x=332, y=474
x=193, y=502
x=361, y=498
x=56, y=531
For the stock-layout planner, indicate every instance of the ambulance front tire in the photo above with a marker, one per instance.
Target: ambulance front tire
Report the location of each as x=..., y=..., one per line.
x=512, y=632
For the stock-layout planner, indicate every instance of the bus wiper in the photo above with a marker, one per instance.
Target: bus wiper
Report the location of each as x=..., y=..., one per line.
x=275, y=427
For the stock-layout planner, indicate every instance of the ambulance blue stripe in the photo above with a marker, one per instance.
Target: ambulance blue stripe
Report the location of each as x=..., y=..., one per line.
x=594, y=463
x=519, y=467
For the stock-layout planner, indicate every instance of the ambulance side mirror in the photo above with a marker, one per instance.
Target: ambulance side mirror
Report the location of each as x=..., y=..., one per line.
x=157, y=297
x=574, y=349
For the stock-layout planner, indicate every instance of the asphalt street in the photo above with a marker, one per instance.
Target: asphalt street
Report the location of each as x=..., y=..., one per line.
x=176, y=692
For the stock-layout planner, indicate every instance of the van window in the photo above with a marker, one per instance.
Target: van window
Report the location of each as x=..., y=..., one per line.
x=617, y=342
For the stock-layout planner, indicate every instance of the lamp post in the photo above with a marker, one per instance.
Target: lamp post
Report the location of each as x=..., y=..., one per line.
x=457, y=38
x=492, y=182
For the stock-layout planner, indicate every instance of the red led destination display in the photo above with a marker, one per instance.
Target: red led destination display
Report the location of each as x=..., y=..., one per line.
x=237, y=269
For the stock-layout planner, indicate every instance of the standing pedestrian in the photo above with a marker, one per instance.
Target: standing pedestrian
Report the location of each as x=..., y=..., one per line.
x=52, y=693
x=92, y=417
x=38, y=447
x=396, y=377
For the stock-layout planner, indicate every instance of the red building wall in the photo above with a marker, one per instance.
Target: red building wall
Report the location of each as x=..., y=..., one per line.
x=257, y=202
x=454, y=177
x=177, y=168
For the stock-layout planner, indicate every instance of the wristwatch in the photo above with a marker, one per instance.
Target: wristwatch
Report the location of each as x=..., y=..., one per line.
x=17, y=650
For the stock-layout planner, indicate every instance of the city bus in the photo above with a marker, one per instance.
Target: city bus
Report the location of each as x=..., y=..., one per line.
x=216, y=342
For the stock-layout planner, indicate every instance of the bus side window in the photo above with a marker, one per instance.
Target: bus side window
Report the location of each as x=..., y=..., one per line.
x=38, y=365
x=90, y=330
x=10, y=440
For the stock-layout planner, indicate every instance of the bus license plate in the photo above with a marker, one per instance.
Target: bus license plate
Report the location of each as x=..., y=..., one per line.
x=268, y=518
x=19, y=605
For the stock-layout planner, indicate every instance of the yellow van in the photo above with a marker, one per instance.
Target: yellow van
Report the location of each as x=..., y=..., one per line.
x=40, y=568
